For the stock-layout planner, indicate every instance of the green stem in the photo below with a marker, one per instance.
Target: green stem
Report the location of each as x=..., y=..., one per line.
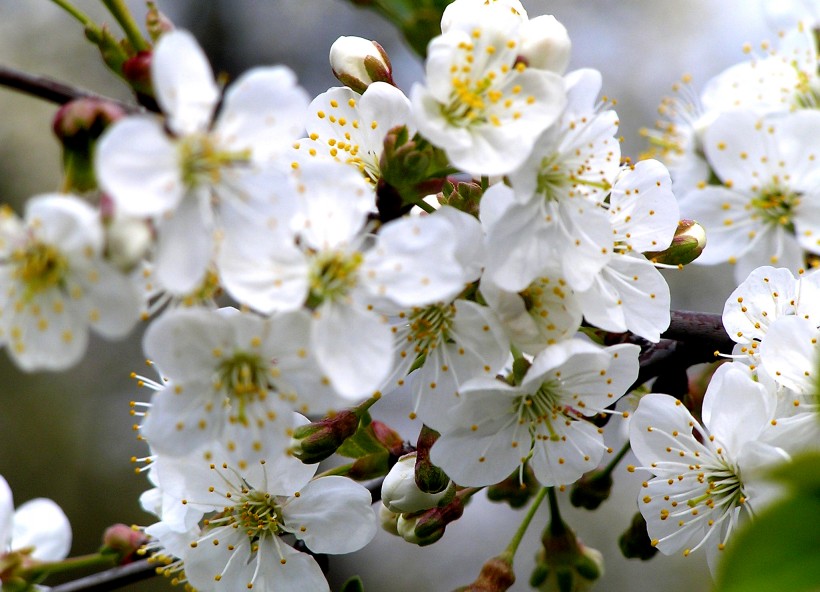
x=342, y=470
x=83, y=562
x=423, y=205
x=616, y=459
x=119, y=10
x=362, y=407
x=557, y=526
x=78, y=14
x=525, y=523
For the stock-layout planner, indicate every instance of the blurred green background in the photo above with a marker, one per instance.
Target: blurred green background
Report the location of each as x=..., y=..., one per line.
x=68, y=436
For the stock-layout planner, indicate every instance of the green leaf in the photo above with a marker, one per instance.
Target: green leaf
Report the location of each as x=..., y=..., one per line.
x=362, y=443
x=802, y=474
x=354, y=584
x=780, y=550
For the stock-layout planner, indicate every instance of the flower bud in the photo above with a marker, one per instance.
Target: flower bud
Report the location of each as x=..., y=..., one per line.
x=370, y=466
x=78, y=125
x=429, y=478
x=388, y=437
x=496, y=575
x=123, y=541
x=635, y=542
x=591, y=490
x=514, y=490
x=137, y=72
x=586, y=568
x=358, y=63
x=425, y=528
x=388, y=520
x=687, y=245
x=401, y=494
x=316, y=441
x=462, y=195
x=545, y=44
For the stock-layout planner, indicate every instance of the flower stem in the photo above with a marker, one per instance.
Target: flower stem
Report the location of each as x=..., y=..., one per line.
x=75, y=12
x=525, y=523
x=616, y=459
x=83, y=562
x=424, y=205
x=119, y=10
x=557, y=526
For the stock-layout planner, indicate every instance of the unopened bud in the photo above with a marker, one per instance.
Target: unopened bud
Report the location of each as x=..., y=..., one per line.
x=496, y=575
x=516, y=490
x=123, y=541
x=388, y=520
x=388, y=437
x=687, y=245
x=635, y=542
x=78, y=125
x=462, y=195
x=137, y=72
x=579, y=575
x=401, y=494
x=358, y=63
x=157, y=23
x=591, y=490
x=425, y=528
x=545, y=44
x=316, y=441
x=429, y=478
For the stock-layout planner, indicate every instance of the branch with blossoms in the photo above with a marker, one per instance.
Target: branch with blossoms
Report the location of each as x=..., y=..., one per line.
x=480, y=252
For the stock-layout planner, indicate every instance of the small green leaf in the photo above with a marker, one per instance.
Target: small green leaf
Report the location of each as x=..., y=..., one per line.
x=362, y=443
x=354, y=584
x=780, y=550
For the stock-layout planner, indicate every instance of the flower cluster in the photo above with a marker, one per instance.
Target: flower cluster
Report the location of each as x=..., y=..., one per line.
x=742, y=155
x=470, y=248
x=759, y=409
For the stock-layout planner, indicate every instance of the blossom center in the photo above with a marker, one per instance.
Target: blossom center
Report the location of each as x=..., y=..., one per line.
x=776, y=206
x=244, y=377
x=431, y=326
x=40, y=267
x=202, y=161
x=257, y=513
x=332, y=275
x=541, y=408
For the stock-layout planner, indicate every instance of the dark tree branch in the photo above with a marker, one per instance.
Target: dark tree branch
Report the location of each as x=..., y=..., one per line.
x=52, y=90
x=111, y=579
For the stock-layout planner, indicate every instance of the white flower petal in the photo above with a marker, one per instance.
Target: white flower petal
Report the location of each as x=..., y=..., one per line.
x=331, y=515
x=184, y=248
x=264, y=111
x=137, y=165
x=6, y=514
x=40, y=523
x=352, y=346
x=183, y=82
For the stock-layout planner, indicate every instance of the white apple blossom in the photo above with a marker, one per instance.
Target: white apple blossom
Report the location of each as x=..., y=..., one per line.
x=224, y=370
x=347, y=127
x=461, y=12
x=629, y=293
x=705, y=477
x=542, y=314
x=480, y=104
x=39, y=527
x=541, y=421
x=56, y=284
x=247, y=511
x=767, y=209
x=553, y=214
x=349, y=279
x=195, y=176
